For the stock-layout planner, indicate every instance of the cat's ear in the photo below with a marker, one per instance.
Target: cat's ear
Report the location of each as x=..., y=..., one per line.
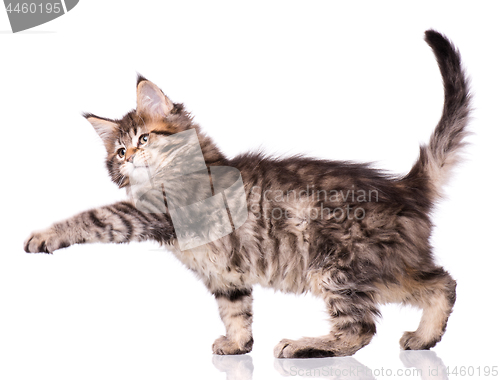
x=106, y=129
x=151, y=101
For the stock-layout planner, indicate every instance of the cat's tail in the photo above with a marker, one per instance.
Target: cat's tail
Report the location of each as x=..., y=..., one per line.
x=437, y=159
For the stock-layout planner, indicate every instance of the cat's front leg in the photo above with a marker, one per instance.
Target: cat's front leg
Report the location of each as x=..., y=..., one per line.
x=235, y=308
x=117, y=223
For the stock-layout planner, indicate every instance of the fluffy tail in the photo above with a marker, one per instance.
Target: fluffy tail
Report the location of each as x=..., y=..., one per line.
x=433, y=167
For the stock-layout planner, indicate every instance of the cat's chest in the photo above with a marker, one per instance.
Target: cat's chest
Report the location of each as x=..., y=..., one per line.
x=200, y=259
x=211, y=266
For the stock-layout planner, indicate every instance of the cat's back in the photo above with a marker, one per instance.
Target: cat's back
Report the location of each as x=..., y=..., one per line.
x=309, y=176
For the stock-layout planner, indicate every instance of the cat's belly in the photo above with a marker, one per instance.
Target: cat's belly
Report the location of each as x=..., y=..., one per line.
x=214, y=267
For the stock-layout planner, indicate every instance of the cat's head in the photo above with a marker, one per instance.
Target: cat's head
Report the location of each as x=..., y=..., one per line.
x=127, y=139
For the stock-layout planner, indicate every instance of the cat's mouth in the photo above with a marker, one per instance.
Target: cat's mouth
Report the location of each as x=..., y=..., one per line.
x=136, y=171
x=139, y=162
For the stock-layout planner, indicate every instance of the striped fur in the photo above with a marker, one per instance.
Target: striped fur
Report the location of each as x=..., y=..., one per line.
x=440, y=156
x=345, y=232
x=117, y=223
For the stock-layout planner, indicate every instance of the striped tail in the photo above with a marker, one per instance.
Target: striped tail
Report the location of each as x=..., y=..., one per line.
x=437, y=159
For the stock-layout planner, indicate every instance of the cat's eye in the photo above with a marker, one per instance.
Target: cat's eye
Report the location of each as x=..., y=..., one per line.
x=121, y=152
x=143, y=139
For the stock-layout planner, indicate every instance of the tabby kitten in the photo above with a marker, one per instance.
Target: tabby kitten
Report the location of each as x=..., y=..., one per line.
x=345, y=232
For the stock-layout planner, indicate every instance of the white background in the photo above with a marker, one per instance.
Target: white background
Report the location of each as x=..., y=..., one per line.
x=331, y=79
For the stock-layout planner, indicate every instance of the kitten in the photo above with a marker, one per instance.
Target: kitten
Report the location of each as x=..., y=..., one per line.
x=344, y=232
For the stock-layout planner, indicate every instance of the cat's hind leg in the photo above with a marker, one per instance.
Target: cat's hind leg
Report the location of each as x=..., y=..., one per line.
x=353, y=316
x=434, y=292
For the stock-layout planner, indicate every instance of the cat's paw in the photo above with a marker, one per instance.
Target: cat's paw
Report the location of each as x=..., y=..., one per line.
x=224, y=346
x=305, y=348
x=288, y=348
x=279, y=349
x=46, y=241
x=412, y=341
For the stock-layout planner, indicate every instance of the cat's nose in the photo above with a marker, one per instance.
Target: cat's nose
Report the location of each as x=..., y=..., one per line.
x=130, y=154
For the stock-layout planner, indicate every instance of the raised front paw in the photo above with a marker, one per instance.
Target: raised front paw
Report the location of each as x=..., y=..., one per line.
x=224, y=346
x=46, y=241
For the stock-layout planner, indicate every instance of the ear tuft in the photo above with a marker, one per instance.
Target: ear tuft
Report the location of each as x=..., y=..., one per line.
x=151, y=101
x=105, y=128
x=140, y=78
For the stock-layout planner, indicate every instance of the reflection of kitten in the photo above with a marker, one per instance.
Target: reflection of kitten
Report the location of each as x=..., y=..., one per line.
x=325, y=368
x=298, y=238
x=425, y=363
